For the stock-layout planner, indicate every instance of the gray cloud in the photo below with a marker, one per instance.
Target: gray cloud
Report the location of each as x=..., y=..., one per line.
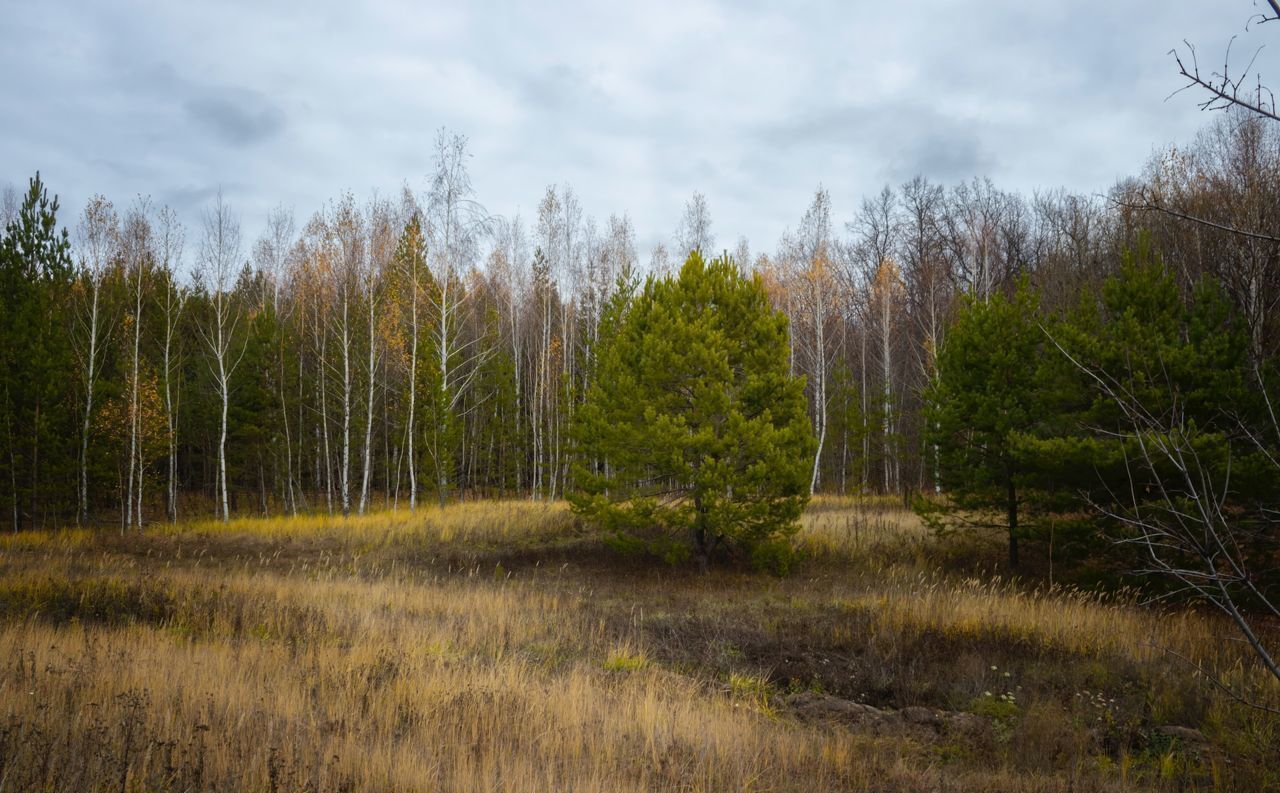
x=897, y=140
x=946, y=155
x=238, y=116
x=192, y=200
x=636, y=105
x=558, y=87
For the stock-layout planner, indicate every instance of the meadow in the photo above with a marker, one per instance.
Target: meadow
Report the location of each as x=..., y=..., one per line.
x=503, y=646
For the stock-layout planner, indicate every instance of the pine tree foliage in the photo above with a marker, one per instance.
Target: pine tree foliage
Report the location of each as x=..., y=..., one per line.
x=701, y=432
x=984, y=395
x=36, y=424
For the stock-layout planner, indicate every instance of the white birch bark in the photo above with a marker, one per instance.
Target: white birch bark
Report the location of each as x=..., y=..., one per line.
x=220, y=251
x=97, y=238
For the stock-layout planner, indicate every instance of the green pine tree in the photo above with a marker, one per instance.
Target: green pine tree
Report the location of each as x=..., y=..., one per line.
x=253, y=417
x=985, y=395
x=1182, y=357
x=700, y=436
x=36, y=416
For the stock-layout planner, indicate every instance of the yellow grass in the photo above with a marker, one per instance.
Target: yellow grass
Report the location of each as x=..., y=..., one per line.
x=469, y=522
x=178, y=661
x=858, y=525
x=405, y=687
x=28, y=540
x=900, y=597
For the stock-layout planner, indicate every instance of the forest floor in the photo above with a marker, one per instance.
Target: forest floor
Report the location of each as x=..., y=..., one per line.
x=502, y=646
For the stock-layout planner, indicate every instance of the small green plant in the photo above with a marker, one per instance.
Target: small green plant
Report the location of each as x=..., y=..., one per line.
x=624, y=659
x=752, y=690
x=811, y=686
x=1001, y=707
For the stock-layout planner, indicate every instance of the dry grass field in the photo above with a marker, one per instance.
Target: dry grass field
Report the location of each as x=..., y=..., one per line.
x=501, y=646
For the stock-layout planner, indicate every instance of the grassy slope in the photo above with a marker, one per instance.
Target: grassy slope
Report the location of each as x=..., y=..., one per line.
x=497, y=646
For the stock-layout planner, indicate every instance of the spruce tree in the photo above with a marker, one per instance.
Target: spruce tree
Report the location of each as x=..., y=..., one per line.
x=698, y=433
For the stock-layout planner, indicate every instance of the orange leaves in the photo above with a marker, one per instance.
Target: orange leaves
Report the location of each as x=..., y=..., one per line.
x=113, y=421
x=887, y=283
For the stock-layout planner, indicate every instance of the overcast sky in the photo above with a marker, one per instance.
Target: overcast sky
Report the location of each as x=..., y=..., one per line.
x=752, y=103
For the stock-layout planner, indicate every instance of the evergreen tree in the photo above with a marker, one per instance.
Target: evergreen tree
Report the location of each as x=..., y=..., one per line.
x=702, y=432
x=1183, y=359
x=441, y=426
x=847, y=427
x=36, y=419
x=253, y=418
x=985, y=395
x=496, y=438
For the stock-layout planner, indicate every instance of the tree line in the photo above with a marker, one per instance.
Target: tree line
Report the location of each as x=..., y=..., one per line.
x=417, y=347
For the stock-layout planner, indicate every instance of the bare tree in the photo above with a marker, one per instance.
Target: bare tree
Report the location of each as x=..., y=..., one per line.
x=171, y=237
x=411, y=256
x=573, y=237
x=10, y=203
x=348, y=231
x=458, y=222
x=272, y=253
x=742, y=254
x=808, y=260
x=318, y=267
x=1073, y=234
x=138, y=260
x=380, y=222
x=694, y=232
x=872, y=272
x=660, y=261
x=927, y=281
x=884, y=301
x=509, y=273
x=974, y=217
x=219, y=256
x=97, y=238
x=554, y=264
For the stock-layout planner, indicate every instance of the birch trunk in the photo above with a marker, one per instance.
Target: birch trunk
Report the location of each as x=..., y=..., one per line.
x=372, y=370
x=91, y=379
x=413, y=383
x=344, y=473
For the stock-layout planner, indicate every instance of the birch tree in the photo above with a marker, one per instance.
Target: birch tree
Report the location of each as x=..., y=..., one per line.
x=348, y=233
x=884, y=301
x=548, y=262
x=572, y=237
x=272, y=254
x=321, y=260
x=694, y=231
x=377, y=252
x=458, y=222
x=171, y=298
x=411, y=253
x=927, y=280
x=510, y=274
x=97, y=238
x=815, y=294
x=219, y=254
x=138, y=259
x=875, y=233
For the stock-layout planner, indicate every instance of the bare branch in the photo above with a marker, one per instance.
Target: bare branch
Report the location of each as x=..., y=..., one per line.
x=1150, y=205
